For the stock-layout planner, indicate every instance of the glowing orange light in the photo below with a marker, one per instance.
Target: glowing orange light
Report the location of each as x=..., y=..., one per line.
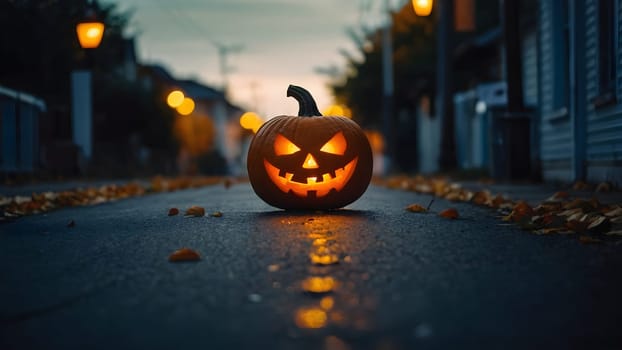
x=376, y=141
x=318, y=284
x=422, y=7
x=336, y=145
x=90, y=34
x=186, y=107
x=251, y=121
x=310, y=318
x=327, y=303
x=328, y=183
x=310, y=163
x=175, y=98
x=283, y=146
x=338, y=111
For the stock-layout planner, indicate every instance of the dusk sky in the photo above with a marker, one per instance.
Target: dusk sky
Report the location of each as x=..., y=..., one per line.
x=281, y=41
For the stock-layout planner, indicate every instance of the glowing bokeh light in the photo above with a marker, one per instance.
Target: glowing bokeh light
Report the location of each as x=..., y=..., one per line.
x=326, y=259
x=90, y=34
x=337, y=111
x=327, y=303
x=175, y=98
x=186, y=107
x=318, y=284
x=310, y=318
x=251, y=121
x=422, y=7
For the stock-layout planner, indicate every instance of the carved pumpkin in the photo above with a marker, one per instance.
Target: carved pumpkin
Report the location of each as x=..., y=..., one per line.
x=309, y=161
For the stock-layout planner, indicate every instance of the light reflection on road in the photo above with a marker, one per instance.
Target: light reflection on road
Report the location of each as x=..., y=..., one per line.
x=330, y=297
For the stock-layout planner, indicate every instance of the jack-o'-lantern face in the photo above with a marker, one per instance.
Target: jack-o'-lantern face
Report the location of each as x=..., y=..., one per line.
x=317, y=170
x=309, y=161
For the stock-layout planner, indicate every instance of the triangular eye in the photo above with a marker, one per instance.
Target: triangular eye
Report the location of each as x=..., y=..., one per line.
x=283, y=146
x=336, y=145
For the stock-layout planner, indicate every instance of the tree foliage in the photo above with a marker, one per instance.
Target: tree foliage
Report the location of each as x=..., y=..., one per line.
x=414, y=62
x=414, y=45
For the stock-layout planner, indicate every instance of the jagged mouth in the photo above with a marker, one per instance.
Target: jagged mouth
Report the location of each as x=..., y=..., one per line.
x=315, y=186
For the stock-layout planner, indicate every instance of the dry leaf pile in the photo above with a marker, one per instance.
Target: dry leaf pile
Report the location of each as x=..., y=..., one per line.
x=195, y=211
x=559, y=214
x=184, y=254
x=16, y=206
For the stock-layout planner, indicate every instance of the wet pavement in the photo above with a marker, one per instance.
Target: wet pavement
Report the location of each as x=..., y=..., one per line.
x=373, y=276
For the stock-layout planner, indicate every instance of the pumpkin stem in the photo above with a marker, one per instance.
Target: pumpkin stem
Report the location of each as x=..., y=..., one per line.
x=308, y=108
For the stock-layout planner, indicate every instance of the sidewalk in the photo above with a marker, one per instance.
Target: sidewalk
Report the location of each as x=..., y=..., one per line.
x=534, y=194
x=57, y=186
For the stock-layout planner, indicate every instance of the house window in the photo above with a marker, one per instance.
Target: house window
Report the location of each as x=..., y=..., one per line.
x=606, y=50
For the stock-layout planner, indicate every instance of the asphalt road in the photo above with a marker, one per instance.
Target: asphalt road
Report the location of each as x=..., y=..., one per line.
x=398, y=280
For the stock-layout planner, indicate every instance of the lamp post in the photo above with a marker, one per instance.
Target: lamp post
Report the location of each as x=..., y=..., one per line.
x=388, y=120
x=444, y=88
x=90, y=32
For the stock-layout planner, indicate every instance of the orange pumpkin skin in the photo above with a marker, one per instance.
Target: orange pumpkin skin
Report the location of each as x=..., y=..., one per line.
x=309, y=161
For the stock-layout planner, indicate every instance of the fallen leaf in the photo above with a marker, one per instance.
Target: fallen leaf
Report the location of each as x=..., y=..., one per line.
x=184, y=254
x=520, y=212
x=588, y=240
x=604, y=187
x=571, y=212
x=528, y=223
x=581, y=186
x=548, y=231
x=580, y=203
x=450, y=213
x=496, y=202
x=454, y=196
x=599, y=224
x=416, y=208
x=216, y=214
x=195, y=211
x=558, y=196
x=617, y=220
x=577, y=225
x=273, y=267
x=617, y=211
x=481, y=197
x=173, y=212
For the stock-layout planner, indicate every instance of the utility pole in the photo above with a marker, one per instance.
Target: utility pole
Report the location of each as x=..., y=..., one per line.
x=445, y=105
x=388, y=120
x=225, y=69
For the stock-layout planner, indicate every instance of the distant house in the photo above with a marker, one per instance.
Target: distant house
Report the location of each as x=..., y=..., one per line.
x=210, y=137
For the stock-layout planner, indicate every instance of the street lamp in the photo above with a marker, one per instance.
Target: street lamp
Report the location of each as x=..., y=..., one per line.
x=422, y=7
x=445, y=109
x=90, y=32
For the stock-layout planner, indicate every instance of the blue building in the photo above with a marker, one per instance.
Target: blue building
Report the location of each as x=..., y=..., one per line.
x=571, y=65
x=580, y=90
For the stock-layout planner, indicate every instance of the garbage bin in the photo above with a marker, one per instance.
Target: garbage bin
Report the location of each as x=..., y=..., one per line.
x=509, y=144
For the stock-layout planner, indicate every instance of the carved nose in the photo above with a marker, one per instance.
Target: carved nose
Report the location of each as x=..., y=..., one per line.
x=310, y=162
